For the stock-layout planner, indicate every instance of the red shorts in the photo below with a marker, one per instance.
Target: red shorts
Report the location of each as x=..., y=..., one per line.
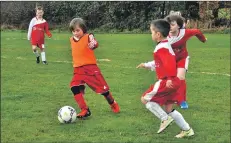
x=183, y=63
x=37, y=43
x=162, y=95
x=91, y=75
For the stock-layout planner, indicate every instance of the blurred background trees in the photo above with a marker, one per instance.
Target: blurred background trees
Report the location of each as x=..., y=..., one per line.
x=119, y=15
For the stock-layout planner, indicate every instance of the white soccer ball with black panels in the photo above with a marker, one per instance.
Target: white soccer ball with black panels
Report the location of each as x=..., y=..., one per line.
x=67, y=114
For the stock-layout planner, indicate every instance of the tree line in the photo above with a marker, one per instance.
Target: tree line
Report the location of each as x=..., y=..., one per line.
x=105, y=15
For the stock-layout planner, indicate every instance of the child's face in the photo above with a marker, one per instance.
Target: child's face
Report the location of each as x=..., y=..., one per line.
x=174, y=27
x=77, y=32
x=155, y=35
x=39, y=13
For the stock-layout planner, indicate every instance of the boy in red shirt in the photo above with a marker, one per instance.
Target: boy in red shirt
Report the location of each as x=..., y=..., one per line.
x=38, y=26
x=86, y=70
x=165, y=90
x=178, y=36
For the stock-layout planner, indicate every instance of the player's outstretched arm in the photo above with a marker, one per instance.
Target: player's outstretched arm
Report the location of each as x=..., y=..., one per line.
x=197, y=33
x=141, y=65
x=149, y=65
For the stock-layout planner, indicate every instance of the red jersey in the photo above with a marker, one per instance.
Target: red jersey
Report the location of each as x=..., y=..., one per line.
x=165, y=62
x=178, y=42
x=36, y=31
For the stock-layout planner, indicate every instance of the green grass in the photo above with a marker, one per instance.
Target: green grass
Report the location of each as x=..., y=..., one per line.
x=32, y=94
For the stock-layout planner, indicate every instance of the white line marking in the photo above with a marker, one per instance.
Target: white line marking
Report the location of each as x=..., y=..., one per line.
x=107, y=60
x=104, y=60
x=225, y=74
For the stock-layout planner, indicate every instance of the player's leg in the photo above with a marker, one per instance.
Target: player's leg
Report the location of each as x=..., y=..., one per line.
x=111, y=101
x=181, y=74
x=96, y=82
x=180, y=121
x=35, y=51
x=77, y=88
x=82, y=89
x=156, y=109
x=43, y=54
x=182, y=67
x=154, y=97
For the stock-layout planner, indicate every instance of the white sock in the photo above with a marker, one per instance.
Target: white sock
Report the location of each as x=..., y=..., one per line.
x=43, y=56
x=36, y=53
x=179, y=119
x=157, y=110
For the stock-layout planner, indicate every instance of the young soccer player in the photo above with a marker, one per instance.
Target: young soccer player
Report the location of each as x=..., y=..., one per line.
x=178, y=36
x=165, y=90
x=38, y=26
x=86, y=70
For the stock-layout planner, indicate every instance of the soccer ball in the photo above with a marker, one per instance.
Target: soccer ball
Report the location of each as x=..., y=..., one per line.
x=67, y=114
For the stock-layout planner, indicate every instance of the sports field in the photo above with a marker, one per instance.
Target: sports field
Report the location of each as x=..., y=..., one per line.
x=32, y=94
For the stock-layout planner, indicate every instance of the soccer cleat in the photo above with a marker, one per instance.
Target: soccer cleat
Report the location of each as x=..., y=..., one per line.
x=37, y=60
x=183, y=134
x=115, y=107
x=164, y=124
x=184, y=105
x=45, y=63
x=84, y=113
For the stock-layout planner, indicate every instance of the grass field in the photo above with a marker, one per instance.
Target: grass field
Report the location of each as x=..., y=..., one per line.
x=31, y=94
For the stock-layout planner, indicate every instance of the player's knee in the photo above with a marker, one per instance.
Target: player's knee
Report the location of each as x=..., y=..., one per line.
x=148, y=106
x=105, y=93
x=34, y=49
x=82, y=87
x=75, y=90
x=169, y=110
x=181, y=77
x=143, y=100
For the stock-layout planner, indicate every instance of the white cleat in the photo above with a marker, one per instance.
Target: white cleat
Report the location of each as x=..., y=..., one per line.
x=165, y=124
x=183, y=134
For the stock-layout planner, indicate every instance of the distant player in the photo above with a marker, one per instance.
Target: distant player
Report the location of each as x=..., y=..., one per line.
x=178, y=36
x=38, y=26
x=165, y=90
x=86, y=70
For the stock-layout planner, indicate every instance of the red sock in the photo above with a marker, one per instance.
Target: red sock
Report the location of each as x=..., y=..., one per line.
x=80, y=101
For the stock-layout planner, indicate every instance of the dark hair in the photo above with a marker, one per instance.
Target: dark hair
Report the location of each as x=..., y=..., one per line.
x=179, y=20
x=80, y=22
x=161, y=26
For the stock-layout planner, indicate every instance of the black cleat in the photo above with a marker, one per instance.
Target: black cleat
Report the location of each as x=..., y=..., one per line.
x=45, y=63
x=38, y=60
x=84, y=113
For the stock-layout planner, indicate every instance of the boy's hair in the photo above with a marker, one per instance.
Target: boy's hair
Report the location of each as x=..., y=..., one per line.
x=80, y=22
x=173, y=17
x=161, y=26
x=38, y=7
